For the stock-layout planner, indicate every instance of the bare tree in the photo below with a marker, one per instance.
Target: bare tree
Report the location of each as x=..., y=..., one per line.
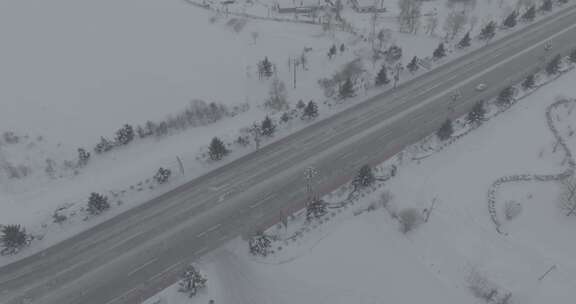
x=409, y=17
x=431, y=24
x=277, y=96
x=455, y=23
x=568, y=195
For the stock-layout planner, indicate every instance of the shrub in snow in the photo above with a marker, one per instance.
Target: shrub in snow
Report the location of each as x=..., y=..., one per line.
x=505, y=97
x=351, y=70
x=217, y=150
x=465, y=41
x=529, y=14
x=162, y=175
x=260, y=245
x=385, y=198
x=365, y=177
x=285, y=117
x=382, y=76
x=300, y=104
x=310, y=111
x=409, y=218
x=413, y=65
x=97, y=203
x=268, y=127
x=512, y=209
x=243, y=141
x=346, y=89
x=332, y=51
x=546, y=5
x=191, y=281
x=553, y=67
x=83, y=157
x=103, y=146
x=58, y=218
x=476, y=115
x=445, y=130
x=511, y=20
x=439, y=52
x=316, y=208
x=13, y=239
x=488, y=31
x=529, y=82
x=125, y=135
x=10, y=137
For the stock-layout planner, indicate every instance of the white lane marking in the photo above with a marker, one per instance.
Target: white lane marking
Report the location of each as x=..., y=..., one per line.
x=266, y=198
x=122, y=295
x=142, y=266
x=201, y=251
x=167, y=270
x=214, y=227
x=216, y=188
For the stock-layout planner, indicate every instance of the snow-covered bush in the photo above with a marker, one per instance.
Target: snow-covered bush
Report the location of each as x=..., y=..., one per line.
x=409, y=218
x=14, y=238
x=191, y=281
x=97, y=204
x=365, y=177
x=316, y=208
x=260, y=245
x=162, y=175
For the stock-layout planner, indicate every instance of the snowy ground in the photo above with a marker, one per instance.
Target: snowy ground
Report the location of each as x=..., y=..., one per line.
x=73, y=72
x=359, y=255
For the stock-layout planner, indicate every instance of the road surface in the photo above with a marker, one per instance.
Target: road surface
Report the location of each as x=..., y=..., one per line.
x=137, y=253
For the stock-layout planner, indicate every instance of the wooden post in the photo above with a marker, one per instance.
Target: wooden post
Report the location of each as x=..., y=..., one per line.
x=546, y=273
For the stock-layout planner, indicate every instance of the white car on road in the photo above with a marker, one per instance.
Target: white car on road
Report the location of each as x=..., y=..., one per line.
x=481, y=87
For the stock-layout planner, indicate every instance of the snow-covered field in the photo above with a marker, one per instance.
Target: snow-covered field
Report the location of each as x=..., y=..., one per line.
x=75, y=71
x=359, y=254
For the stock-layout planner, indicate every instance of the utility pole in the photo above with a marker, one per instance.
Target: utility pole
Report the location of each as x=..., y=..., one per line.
x=294, y=68
x=309, y=174
x=180, y=164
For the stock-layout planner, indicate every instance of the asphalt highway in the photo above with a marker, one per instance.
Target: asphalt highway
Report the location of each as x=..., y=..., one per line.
x=137, y=253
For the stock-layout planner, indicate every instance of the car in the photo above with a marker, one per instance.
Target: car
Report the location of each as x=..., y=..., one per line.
x=481, y=87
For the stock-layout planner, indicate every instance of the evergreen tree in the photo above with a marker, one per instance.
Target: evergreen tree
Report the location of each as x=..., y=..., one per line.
x=505, y=97
x=265, y=68
x=217, y=149
x=445, y=130
x=365, y=177
x=315, y=208
x=465, y=41
x=553, y=66
x=342, y=48
x=97, y=204
x=347, y=89
x=413, y=65
x=268, y=127
x=125, y=135
x=310, y=111
x=511, y=20
x=83, y=157
x=301, y=104
x=529, y=14
x=277, y=96
x=191, y=281
x=332, y=52
x=476, y=115
x=546, y=5
x=382, y=77
x=529, y=82
x=103, y=146
x=439, y=52
x=285, y=117
x=488, y=31
x=162, y=175
x=13, y=238
x=572, y=56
